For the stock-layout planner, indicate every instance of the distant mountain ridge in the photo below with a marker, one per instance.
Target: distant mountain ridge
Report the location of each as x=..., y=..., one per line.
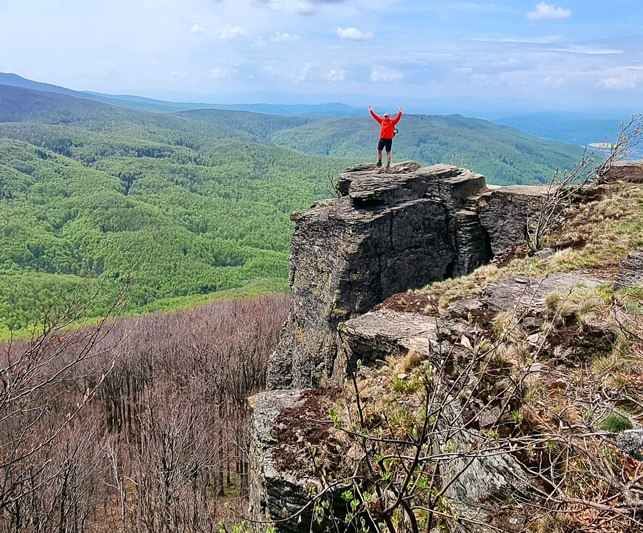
x=575, y=127
x=160, y=106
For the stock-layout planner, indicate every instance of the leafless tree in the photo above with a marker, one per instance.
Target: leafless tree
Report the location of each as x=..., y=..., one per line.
x=47, y=385
x=404, y=452
x=564, y=188
x=134, y=425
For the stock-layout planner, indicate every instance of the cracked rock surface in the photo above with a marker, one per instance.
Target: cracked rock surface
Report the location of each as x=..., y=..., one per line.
x=390, y=231
x=631, y=271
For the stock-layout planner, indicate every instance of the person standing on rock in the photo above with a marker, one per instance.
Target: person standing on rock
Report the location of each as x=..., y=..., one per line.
x=386, y=134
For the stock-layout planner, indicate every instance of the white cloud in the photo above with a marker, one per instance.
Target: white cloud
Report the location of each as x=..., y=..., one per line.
x=284, y=37
x=221, y=73
x=588, y=51
x=305, y=8
x=544, y=11
x=385, y=74
x=260, y=43
x=353, y=34
x=547, y=39
x=505, y=79
x=618, y=82
x=622, y=78
x=463, y=70
x=228, y=33
x=300, y=7
x=484, y=79
x=553, y=82
x=309, y=72
x=371, y=6
x=197, y=29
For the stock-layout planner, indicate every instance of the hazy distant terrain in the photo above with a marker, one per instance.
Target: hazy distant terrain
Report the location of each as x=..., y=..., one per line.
x=504, y=155
x=573, y=128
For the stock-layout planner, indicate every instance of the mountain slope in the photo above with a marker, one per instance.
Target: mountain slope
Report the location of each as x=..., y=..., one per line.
x=162, y=106
x=504, y=155
x=182, y=205
x=91, y=195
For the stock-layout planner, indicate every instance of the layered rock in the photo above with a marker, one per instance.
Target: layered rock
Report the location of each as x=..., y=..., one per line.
x=387, y=233
x=630, y=171
x=276, y=493
x=288, y=425
x=504, y=213
x=631, y=271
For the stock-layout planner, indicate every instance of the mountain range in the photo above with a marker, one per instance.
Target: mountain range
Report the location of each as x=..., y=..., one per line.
x=176, y=206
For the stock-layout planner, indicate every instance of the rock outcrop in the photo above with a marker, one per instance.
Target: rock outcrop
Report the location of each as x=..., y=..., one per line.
x=288, y=426
x=390, y=232
x=479, y=481
x=630, y=171
x=387, y=233
x=631, y=271
x=277, y=492
x=476, y=483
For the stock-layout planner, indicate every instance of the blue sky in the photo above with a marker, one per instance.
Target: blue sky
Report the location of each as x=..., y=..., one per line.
x=564, y=54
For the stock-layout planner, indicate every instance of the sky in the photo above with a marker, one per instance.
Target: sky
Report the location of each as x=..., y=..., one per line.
x=567, y=54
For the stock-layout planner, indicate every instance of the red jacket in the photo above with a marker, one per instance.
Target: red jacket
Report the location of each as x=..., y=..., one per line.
x=387, y=125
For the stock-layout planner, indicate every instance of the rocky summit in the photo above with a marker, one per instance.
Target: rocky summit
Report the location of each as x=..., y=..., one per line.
x=389, y=231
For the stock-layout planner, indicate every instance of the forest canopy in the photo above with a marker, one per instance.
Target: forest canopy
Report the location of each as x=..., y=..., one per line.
x=179, y=206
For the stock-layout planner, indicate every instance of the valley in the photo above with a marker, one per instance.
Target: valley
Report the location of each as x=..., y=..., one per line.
x=177, y=206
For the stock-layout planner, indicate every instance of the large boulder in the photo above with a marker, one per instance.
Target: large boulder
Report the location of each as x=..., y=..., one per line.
x=287, y=427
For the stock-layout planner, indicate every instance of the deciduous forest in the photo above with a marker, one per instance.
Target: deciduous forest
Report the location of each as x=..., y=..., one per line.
x=141, y=424
x=135, y=425
x=179, y=206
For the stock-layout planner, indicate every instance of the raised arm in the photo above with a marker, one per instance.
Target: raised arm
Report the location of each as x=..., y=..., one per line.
x=398, y=117
x=379, y=119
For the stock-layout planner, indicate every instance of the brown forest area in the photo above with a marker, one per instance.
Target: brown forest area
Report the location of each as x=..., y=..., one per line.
x=137, y=425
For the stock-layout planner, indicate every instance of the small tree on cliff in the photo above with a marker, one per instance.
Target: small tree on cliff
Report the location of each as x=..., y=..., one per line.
x=562, y=189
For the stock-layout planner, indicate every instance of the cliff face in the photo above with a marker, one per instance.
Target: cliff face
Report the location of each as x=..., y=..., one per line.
x=493, y=369
x=387, y=233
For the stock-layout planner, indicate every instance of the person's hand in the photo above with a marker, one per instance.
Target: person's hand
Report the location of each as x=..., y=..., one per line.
x=401, y=109
x=370, y=108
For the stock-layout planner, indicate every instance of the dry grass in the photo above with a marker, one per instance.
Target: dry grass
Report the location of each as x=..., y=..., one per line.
x=551, y=386
x=610, y=227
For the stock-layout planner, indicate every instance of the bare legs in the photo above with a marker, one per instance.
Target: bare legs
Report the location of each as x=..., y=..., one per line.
x=388, y=156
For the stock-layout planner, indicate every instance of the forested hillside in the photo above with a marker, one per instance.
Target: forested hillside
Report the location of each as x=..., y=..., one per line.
x=93, y=195
x=138, y=425
x=504, y=155
x=163, y=106
x=179, y=206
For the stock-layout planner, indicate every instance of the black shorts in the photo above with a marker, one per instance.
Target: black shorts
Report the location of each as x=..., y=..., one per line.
x=385, y=143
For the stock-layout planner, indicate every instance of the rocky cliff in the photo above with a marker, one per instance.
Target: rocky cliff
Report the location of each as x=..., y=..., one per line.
x=388, y=232
x=529, y=368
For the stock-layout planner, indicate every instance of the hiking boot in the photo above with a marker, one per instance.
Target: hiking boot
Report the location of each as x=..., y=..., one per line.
x=388, y=165
x=379, y=164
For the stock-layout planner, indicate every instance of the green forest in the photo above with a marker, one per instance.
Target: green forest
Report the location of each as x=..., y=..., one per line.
x=95, y=199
